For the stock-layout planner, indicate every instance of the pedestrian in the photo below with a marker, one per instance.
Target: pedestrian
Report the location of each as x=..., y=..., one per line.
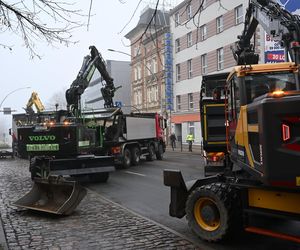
x=173, y=140
x=190, y=140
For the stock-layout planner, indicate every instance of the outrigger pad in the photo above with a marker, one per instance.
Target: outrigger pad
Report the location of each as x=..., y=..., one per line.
x=53, y=195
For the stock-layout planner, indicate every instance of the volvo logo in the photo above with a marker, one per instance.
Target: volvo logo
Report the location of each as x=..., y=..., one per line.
x=42, y=137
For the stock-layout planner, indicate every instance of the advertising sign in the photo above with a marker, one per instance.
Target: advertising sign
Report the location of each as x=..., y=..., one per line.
x=273, y=51
x=168, y=71
x=274, y=56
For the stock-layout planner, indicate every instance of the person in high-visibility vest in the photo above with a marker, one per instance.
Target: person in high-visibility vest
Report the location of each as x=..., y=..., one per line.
x=190, y=140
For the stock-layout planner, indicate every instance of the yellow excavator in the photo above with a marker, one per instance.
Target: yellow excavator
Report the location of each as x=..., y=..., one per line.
x=262, y=123
x=36, y=101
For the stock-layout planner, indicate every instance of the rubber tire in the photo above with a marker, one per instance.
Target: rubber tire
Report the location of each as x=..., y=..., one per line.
x=99, y=177
x=126, y=158
x=160, y=152
x=135, y=156
x=150, y=156
x=225, y=198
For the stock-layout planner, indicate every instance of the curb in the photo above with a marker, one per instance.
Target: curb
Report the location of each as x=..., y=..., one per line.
x=184, y=151
x=3, y=243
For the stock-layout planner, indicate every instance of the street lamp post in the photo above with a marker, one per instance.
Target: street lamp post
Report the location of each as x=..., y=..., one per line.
x=118, y=51
x=12, y=93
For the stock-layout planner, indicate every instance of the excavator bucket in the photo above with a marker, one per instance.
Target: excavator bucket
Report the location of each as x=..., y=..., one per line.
x=57, y=196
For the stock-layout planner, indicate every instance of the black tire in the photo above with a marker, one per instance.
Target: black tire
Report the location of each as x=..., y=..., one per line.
x=160, y=152
x=135, y=156
x=213, y=213
x=99, y=177
x=126, y=158
x=150, y=156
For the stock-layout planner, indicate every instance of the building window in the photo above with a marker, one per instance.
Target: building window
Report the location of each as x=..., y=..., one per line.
x=220, y=24
x=154, y=65
x=162, y=61
x=189, y=66
x=139, y=97
x=177, y=45
x=189, y=13
x=238, y=13
x=177, y=72
x=139, y=72
x=177, y=19
x=204, y=64
x=135, y=73
x=189, y=38
x=155, y=93
x=191, y=128
x=152, y=94
x=220, y=58
x=149, y=68
x=178, y=102
x=190, y=101
x=203, y=32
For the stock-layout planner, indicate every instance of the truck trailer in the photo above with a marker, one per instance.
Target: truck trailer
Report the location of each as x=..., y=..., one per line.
x=128, y=137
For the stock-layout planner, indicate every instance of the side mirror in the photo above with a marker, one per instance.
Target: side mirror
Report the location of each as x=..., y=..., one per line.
x=9, y=132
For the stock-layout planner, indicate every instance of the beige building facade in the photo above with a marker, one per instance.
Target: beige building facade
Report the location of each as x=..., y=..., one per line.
x=202, y=35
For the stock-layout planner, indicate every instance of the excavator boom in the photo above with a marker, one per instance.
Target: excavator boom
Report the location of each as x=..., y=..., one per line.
x=36, y=101
x=90, y=64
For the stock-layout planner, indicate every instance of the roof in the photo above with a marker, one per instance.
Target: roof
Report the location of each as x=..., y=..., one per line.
x=260, y=68
x=160, y=20
x=178, y=7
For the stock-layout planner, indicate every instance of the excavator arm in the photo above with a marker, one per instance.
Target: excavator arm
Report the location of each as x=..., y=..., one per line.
x=277, y=22
x=90, y=64
x=36, y=101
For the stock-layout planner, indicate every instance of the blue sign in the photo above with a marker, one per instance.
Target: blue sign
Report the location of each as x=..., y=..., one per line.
x=118, y=104
x=292, y=6
x=168, y=71
x=274, y=56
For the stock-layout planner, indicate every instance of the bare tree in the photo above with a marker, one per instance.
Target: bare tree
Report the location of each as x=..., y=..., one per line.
x=58, y=98
x=45, y=20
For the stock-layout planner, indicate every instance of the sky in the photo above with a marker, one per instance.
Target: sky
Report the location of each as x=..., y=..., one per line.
x=60, y=64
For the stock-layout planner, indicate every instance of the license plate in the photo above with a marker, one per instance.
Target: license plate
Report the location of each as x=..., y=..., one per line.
x=40, y=128
x=42, y=147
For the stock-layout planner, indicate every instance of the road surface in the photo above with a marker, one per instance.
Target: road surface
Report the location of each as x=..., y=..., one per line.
x=141, y=190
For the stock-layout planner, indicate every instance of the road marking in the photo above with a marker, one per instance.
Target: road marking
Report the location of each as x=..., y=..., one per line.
x=129, y=172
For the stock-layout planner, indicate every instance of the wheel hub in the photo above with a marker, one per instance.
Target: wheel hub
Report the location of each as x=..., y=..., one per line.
x=207, y=214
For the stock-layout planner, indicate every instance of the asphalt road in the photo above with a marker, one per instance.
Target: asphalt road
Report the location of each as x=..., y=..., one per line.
x=141, y=190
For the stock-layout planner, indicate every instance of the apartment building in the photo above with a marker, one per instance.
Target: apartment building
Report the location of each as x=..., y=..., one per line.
x=203, y=32
x=148, y=61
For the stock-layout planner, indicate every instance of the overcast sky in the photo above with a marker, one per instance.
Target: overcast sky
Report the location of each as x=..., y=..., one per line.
x=59, y=66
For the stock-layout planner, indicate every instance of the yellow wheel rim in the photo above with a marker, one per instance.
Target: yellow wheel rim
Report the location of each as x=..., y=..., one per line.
x=207, y=214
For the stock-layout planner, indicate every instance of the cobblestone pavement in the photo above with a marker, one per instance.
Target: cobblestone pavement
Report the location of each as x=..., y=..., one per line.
x=95, y=224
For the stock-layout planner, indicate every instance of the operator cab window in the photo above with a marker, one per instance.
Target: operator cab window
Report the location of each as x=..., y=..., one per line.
x=261, y=84
x=233, y=99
